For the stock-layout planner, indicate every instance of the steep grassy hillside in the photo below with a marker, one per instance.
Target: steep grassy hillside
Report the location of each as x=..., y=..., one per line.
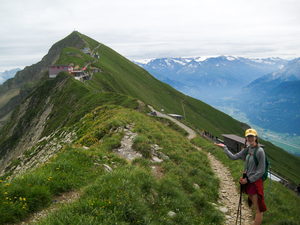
x=54, y=104
x=182, y=189
x=132, y=193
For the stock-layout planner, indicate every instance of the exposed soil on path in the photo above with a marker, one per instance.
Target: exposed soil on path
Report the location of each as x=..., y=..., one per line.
x=191, y=132
x=229, y=195
x=59, y=202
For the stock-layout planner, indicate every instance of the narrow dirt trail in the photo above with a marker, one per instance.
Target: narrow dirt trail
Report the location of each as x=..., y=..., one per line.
x=229, y=195
x=191, y=132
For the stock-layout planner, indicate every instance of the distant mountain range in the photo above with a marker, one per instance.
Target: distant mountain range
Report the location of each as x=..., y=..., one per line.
x=210, y=79
x=267, y=90
x=273, y=101
x=8, y=74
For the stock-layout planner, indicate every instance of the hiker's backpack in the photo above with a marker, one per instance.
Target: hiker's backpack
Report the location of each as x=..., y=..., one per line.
x=267, y=163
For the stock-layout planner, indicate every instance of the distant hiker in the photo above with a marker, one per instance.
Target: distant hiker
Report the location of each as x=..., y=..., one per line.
x=252, y=184
x=298, y=190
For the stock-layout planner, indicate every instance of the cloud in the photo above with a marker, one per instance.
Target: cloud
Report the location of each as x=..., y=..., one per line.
x=141, y=29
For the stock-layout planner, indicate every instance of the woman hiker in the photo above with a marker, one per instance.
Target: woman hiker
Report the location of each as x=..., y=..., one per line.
x=252, y=184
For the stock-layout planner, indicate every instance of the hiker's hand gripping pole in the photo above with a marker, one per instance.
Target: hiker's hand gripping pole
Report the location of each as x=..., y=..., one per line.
x=243, y=179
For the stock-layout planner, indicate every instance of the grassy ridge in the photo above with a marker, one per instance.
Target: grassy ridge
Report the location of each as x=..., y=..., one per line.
x=131, y=194
x=70, y=101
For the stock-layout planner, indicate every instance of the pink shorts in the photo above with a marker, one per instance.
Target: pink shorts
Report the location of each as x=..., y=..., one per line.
x=251, y=189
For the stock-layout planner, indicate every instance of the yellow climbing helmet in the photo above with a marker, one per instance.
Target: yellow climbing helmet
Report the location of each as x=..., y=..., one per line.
x=250, y=132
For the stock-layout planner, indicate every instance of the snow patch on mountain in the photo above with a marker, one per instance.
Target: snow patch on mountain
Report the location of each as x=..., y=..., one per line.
x=143, y=61
x=231, y=58
x=179, y=62
x=202, y=58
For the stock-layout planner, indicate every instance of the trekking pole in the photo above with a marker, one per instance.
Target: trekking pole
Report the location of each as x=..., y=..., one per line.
x=239, y=211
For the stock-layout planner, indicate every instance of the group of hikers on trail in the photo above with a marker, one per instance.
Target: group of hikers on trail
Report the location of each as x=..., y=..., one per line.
x=251, y=182
x=153, y=113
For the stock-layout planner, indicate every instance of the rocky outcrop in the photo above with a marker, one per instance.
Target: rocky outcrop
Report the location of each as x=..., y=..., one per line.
x=126, y=151
x=39, y=154
x=27, y=131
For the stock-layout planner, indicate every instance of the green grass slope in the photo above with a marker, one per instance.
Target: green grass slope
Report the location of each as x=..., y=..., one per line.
x=131, y=193
x=70, y=100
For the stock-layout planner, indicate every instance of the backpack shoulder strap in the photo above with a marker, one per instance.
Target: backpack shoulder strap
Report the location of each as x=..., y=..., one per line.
x=255, y=158
x=248, y=157
x=248, y=149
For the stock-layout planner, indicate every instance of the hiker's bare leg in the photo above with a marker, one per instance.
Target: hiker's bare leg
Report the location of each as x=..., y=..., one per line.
x=258, y=214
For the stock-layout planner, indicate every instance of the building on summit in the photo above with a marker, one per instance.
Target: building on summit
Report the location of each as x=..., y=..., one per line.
x=78, y=74
x=56, y=69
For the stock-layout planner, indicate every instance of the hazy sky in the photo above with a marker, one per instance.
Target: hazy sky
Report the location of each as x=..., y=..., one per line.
x=143, y=29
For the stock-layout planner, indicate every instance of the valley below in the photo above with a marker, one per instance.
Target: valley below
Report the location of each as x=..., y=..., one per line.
x=288, y=142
